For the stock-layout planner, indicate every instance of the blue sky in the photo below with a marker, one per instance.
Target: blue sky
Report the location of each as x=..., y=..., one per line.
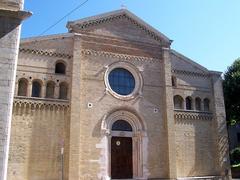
x=207, y=31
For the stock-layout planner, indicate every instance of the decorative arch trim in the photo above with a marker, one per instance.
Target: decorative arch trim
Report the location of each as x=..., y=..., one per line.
x=138, y=125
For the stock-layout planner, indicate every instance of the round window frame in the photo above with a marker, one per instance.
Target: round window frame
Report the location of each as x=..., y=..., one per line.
x=136, y=75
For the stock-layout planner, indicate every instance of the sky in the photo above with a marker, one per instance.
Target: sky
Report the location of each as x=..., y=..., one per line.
x=206, y=31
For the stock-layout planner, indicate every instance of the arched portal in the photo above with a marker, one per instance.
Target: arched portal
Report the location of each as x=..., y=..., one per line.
x=126, y=141
x=121, y=151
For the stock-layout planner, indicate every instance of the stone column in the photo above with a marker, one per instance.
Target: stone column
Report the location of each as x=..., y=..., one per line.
x=56, y=91
x=43, y=91
x=11, y=15
x=193, y=104
x=29, y=91
x=16, y=89
x=202, y=105
x=220, y=134
x=169, y=113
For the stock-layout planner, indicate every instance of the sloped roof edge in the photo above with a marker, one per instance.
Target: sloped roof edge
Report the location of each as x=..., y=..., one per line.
x=117, y=13
x=181, y=56
x=47, y=37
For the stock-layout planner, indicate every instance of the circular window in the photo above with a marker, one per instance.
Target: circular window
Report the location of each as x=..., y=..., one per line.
x=121, y=81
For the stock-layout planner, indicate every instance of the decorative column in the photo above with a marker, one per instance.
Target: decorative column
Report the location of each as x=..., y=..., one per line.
x=16, y=89
x=29, y=91
x=202, y=105
x=220, y=134
x=184, y=104
x=11, y=16
x=56, y=91
x=169, y=113
x=193, y=104
x=43, y=90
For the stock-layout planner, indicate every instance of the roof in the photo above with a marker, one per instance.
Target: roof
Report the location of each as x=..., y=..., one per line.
x=190, y=61
x=102, y=18
x=46, y=37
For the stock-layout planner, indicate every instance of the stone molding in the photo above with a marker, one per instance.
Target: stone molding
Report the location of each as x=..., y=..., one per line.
x=190, y=73
x=115, y=17
x=45, y=53
x=15, y=14
x=125, y=57
x=191, y=115
x=38, y=103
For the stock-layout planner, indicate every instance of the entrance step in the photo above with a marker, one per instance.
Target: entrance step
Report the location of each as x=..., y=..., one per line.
x=202, y=178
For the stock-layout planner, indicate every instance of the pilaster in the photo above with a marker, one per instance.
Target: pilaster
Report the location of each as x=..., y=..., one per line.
x=169, y=113
x=220, y=128
x=75, y=101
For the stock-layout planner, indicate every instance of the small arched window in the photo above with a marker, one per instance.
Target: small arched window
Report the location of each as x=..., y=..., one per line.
x=206, y=103
x=36, y=89
x=121, y=125
x=22, y=87
x=188, y=103
x=63, y=91
x=198, y=103
x=174, y=81
x=178, y=102
x=60, y=68
x=50, y=90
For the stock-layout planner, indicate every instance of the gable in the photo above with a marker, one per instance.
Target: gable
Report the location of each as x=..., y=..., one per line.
x=119, y=24
x=182, y=63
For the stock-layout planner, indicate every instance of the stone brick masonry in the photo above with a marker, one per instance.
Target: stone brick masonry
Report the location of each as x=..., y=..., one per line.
x=176, y=110
x=10, y=20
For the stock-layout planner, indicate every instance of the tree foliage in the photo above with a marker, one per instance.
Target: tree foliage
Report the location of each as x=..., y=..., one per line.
x=235, y=156
x=231, y=88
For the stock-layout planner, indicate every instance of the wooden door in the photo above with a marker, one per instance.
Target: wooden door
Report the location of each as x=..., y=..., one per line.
x=121, y=158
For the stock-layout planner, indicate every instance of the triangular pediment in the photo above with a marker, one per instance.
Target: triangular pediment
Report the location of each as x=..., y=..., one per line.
x=120, y=24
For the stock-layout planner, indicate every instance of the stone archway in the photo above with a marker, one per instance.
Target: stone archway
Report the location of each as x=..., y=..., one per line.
x=138, y=138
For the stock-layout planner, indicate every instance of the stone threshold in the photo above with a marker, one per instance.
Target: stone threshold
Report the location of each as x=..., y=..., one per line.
x=201, y=177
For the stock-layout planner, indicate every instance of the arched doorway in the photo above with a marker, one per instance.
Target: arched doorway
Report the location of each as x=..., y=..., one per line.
x=128, y=129
x=121, y=151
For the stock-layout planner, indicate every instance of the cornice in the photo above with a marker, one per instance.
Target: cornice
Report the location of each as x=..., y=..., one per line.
x=37, y=103
x=186, y=115
x=190, y=73
x=21, y=15
x=125, y=57
x=111, y=18
x=45, y=53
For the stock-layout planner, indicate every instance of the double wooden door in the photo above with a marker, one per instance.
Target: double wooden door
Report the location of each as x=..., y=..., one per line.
x=121, y=158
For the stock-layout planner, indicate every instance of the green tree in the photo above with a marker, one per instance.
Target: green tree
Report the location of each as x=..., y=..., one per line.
x=231, y=88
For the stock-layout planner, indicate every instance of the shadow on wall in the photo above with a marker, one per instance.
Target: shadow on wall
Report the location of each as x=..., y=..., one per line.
x=223, y=150
x=7, y=27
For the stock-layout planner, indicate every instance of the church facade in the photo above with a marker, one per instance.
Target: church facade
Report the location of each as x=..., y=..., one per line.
x=110, y=99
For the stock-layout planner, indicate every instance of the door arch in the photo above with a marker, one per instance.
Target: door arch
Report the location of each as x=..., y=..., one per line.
x=137, y=136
